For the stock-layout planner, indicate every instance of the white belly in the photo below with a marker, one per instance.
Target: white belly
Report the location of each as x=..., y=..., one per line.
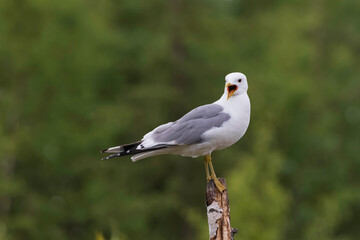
x=229, y=133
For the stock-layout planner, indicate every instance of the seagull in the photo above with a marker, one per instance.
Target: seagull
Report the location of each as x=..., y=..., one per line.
x=201, y=131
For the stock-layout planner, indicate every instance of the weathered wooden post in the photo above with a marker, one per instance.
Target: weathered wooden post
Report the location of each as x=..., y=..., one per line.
x=218, y=212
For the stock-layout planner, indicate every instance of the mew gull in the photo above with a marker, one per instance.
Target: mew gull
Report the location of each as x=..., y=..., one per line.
x=203, y=130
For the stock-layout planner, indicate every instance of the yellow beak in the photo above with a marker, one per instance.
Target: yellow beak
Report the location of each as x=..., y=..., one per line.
x=231, y=89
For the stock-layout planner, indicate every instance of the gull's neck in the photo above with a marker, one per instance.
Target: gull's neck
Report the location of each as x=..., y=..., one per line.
x=236, y=102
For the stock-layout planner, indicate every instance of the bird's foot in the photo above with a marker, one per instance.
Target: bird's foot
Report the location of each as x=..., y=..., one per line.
x=219, y=185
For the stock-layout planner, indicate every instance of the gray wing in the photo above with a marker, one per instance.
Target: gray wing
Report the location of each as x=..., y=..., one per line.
x=190, y=128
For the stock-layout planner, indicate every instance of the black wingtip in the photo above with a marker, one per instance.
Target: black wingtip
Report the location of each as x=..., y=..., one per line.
x=106, y=158
x=112, y=156
x=104, y=150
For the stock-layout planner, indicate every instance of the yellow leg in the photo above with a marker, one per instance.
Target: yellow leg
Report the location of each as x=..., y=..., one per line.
x=218, y=184
x=206, y=163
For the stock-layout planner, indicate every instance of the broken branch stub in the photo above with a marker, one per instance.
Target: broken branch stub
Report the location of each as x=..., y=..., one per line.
x=218, y=213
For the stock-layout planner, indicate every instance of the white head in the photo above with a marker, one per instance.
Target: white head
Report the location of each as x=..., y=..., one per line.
x=235, y=84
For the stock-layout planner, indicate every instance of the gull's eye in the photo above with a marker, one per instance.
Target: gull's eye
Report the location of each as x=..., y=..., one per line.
x=240, y=80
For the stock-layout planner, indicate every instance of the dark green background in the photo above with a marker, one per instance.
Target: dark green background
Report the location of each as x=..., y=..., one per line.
x=77, y=76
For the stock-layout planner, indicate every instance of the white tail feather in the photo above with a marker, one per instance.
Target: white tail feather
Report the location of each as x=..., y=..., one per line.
x=140, y=156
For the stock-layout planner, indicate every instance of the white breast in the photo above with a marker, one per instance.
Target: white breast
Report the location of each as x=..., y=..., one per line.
x=232, y=130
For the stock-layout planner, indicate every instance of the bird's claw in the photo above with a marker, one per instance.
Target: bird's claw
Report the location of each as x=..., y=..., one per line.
x=219, y=185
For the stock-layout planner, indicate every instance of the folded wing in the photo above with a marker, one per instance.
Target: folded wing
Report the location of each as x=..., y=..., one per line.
x=188, y=129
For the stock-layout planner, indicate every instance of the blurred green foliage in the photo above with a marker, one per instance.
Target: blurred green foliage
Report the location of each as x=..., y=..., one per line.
x=78, y=76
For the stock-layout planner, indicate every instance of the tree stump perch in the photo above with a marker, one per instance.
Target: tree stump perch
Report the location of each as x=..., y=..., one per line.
x=218, y=212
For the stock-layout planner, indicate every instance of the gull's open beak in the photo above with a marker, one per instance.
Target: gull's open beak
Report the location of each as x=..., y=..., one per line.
x=231, y=89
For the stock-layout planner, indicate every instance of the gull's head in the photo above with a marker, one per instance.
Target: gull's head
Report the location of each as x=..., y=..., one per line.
x=236, y=83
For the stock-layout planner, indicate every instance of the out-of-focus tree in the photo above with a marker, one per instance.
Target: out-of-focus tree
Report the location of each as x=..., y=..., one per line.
x=77, y=76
